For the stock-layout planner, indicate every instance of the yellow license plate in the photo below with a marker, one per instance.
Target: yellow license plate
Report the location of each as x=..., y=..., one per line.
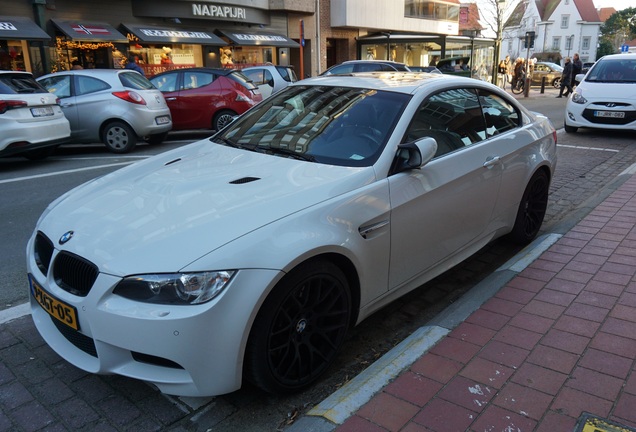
x=59, y=310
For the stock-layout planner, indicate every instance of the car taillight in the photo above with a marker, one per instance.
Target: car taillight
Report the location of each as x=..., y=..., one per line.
x=6, y=105
x=240, y=97
x=130, y=96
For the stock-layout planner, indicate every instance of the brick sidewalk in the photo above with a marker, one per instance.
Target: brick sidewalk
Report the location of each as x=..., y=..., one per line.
x=555, y=342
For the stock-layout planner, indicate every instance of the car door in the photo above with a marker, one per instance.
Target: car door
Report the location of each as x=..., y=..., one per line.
x=199, y=97
x=263, y=79
x=61, y=85
x=92, y=98
x=439, y=210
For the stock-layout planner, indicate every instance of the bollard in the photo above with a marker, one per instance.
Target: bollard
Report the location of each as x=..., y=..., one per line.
x=526, y=87
x=543, y=85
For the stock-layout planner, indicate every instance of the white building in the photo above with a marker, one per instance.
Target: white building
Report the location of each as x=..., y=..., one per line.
x=561, y=28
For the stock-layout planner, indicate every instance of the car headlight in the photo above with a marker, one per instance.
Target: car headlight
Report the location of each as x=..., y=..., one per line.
x=174, y=288
x=578, y=98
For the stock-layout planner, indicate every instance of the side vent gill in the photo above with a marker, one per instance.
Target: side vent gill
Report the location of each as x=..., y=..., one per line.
x=244, y=180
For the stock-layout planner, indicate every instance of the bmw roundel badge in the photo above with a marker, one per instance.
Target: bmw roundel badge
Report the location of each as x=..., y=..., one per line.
x=66, y=237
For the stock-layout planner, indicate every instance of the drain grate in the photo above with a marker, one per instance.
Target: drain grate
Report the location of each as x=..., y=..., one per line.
x=591, y=423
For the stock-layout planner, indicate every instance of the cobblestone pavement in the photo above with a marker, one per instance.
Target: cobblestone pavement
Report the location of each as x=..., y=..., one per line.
x=41, y=392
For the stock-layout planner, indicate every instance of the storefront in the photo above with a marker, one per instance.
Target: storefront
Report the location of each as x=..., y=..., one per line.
x=158, y=49
x=428, y=50
x=249, y=49
x=87, y=44
x=16, y=37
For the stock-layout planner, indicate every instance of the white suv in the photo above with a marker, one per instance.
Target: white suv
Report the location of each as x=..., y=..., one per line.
x=31, y=121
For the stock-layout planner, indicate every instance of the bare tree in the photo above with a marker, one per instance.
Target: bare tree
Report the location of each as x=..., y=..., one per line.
x=495, y=13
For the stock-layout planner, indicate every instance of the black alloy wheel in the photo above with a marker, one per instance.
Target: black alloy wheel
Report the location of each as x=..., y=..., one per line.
x=532, y=207
x=299, y=328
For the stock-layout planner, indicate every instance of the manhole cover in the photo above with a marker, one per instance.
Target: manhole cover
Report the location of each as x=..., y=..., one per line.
x=591, y=423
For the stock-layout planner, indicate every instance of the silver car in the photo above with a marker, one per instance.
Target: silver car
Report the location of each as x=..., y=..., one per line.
x=270, y=78
x=117, y=107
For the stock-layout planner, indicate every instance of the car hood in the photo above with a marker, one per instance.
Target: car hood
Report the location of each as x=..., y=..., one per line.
x=162, y=214
x=609, y=92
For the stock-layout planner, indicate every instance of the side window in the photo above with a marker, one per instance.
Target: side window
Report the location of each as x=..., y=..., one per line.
x=500, y=116
x=255, y=75
x=268, y=79
x=167, y=82
x=87, y=85
x=452, y=117
x=60, y=86
x=192, y=80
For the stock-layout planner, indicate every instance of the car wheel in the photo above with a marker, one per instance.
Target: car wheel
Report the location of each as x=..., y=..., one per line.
x=531, y=209
x=570, y=129
x=299, y=328
x=157, y=138
x=222, y=119
x=556, y=83
x=119, y=137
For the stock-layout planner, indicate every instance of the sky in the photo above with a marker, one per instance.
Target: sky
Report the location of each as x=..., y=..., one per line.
x=616, y=4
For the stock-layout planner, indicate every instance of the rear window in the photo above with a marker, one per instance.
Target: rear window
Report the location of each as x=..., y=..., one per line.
x=240, y=78
x=19, y=83
x=135, y=80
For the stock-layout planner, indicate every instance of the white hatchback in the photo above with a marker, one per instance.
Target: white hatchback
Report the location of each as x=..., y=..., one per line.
x=250, y=254
x=606, y=97
x=31, y=121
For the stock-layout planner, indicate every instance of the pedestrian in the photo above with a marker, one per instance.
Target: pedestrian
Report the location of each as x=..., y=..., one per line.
x=132, y=65
x=566, y=78
x=577, y=67
x=518, y=72
x=76, y=65
x=504, y=70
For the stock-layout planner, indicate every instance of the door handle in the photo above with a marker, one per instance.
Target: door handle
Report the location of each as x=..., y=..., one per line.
x=491, y=162
x=171, y=98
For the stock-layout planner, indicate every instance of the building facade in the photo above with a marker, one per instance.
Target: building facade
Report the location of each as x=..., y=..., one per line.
x=48, y=35
x=561, y=28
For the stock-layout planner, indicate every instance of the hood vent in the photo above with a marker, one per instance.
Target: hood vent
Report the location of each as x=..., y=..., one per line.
x=244, y=180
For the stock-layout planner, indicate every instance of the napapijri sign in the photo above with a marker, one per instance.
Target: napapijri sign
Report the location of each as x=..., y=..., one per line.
x=7, y=26
x=218, y=11
x=256, y=37
x=175, y=33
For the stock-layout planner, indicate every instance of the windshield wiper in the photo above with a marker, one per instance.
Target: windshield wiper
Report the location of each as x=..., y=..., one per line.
x=287, y=152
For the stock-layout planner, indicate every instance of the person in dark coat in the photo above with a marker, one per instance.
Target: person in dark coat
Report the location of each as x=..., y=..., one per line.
x=566, y=78
x=132, y=65
x=577, y=67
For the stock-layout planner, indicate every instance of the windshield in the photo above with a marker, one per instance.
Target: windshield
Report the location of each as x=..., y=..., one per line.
x=331, y=125
x=613, y=71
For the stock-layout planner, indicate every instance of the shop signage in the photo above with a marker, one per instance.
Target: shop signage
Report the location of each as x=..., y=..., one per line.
x=175, y=33
x=90, y=29
x=218, y=11
x=260, y=38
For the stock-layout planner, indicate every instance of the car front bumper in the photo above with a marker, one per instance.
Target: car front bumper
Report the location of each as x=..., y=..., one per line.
x=194, y=350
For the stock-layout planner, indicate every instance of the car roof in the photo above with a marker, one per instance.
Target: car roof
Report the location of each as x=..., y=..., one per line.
x=622, y=56
x=402, y=82
x=218, y=71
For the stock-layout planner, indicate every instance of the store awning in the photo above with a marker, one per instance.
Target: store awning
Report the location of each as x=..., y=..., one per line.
x=266, y=39
x=21, y=28
x=150, y=34
x=89, y=31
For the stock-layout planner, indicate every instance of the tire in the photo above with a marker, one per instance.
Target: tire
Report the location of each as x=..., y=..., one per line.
x=570, y=129
x=157, y=138
x=556, y=83
x=532, y=207
x=517, y=89
x=222, y=119
x=299, y=328
x=119, y=137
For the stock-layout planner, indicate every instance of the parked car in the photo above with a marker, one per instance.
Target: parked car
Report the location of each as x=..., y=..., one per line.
x=352, y=66
x=115, y=106
x=269, y=78
x=606, y=96
x=551, y=71
x=429, y=69
x=31, y=121
x=455, y=66
x=250, y=254
x=206, y=98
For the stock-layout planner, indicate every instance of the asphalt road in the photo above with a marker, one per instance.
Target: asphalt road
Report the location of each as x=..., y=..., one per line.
x=590, y=163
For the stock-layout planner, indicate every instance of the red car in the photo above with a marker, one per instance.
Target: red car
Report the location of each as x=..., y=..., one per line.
x=206, y=98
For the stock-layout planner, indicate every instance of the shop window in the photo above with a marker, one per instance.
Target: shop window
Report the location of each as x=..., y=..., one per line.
x=431, y=10
x=11, y=55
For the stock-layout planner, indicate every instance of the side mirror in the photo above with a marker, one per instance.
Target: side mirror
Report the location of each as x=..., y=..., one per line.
x=414, y=155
